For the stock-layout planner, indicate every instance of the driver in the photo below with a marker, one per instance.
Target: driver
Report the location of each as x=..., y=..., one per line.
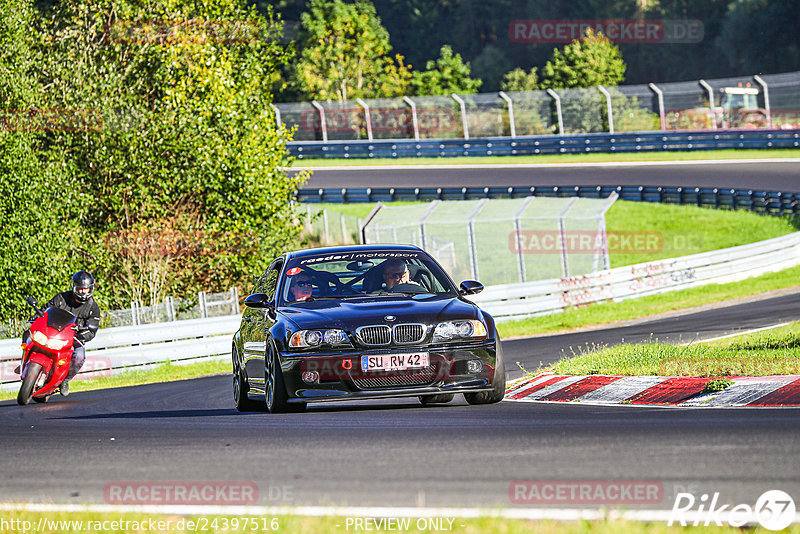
x=300, y=288
x=395, y=272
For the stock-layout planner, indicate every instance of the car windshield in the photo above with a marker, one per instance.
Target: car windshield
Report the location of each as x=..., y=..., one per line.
x=361, y=274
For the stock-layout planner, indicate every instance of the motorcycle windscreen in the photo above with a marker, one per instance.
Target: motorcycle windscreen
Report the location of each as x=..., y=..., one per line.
x=58, y=318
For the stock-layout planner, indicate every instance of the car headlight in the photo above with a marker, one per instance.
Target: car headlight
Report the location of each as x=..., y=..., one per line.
x=459, y=329
x=43, y=340
x=313, y=338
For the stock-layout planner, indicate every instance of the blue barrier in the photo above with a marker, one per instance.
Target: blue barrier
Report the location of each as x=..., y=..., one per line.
x=770, y=202
x=548, y=144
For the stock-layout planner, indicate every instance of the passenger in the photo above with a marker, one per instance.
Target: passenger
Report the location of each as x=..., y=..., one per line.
x=300, y=288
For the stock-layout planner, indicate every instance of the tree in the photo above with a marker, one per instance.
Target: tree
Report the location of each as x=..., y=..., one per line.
x=345, y=53
x=37, y=200
x=588, y=62
x=186, y=159
x=489, y=66
x=446, y=75
x=520, y=80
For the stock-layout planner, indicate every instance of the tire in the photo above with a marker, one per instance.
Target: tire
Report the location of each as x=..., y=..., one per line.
x=498, y=382
x=442, y=398
x=242, y=402
x=29, y=383
x=275, y=393
x=40, y=400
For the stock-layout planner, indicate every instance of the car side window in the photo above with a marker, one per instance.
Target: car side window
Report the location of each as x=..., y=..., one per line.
x=271, y=280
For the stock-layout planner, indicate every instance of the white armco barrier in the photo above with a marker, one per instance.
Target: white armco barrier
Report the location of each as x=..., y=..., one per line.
x=184, y=341
x=132, y=346
x=514, y=301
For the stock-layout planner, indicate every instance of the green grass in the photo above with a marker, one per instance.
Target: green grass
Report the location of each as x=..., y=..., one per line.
x=322, y=525
x=676, y=230
x=135, y=377
x=771, y=352
x=610, y=312
x=560, y=158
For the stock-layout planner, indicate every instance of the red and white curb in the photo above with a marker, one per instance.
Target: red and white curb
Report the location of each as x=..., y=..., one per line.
x=781, y=390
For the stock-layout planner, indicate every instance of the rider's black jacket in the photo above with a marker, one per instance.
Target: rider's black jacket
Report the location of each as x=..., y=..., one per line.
x=87, y=314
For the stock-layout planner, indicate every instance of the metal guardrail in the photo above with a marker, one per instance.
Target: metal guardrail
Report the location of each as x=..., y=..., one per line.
x=720, y=266
x=547, y=144
x=770, y=202
x=120, y=348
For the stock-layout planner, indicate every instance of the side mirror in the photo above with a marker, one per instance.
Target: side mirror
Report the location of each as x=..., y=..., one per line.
x=31, y=301
x=258, y=300
x=470, y=287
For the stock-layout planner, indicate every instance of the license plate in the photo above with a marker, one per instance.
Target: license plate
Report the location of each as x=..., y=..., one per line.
x=394, y=362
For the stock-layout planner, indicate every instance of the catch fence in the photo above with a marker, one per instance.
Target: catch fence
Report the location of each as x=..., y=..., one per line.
x=769, y=101
x=501, y=241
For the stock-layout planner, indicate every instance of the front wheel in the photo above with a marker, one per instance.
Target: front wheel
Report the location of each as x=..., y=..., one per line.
x=35, y=370
x=498, y=391
x=275, y=389
x=242, y=402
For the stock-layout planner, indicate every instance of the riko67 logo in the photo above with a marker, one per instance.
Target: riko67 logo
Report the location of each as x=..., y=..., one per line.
x=774, y=510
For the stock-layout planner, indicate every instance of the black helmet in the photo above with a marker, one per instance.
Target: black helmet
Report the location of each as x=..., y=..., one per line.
x=82, y=280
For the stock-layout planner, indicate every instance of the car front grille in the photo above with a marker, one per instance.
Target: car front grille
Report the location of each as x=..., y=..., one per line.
x=402, y=334
x=374, y=335
x=395, y=379
x=408, y=333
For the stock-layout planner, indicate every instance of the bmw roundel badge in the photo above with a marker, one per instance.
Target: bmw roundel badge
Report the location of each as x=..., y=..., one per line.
x=390, y=318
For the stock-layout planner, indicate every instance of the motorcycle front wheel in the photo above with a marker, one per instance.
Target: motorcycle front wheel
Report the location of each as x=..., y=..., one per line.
x=31, y=378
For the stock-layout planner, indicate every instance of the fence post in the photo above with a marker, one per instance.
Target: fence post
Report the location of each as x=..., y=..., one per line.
x=711, y=103
x=277, y=111
x=413, y=116
x=557, y=99
x=609, y=110
x=660, y=95
x=511, y=124
x=767, y=109
x=321, y=119
x=201, y=301
x=367, y=117
x=235, y=300
x=463, y=107
x=422, y=220
x=518, y=229
x=562, y=231
x=344, y=229
x=325, y=234
x=134, y=313
x=473, y=252
x=170, y=309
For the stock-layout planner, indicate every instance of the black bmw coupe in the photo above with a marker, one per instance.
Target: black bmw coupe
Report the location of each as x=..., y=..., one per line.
x=359, y=322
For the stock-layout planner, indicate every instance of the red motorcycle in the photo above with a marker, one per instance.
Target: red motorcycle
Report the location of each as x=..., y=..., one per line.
x=47, y=354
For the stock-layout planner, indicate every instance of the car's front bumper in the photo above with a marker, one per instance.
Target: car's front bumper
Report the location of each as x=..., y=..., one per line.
x=341, y=378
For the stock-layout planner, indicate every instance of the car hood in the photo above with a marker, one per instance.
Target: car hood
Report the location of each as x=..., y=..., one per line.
x=348, y=314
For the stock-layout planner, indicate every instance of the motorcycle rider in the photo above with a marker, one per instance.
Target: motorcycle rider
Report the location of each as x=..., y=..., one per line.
x=80, y=303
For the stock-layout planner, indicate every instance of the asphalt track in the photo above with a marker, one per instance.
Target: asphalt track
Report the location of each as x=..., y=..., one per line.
x=760, y=175
x=397, y=453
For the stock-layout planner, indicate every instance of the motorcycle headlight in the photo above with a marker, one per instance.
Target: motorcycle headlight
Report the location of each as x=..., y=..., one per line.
x=459, y=329
x=312, y=338
x=56, y=344
x=43, y=340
